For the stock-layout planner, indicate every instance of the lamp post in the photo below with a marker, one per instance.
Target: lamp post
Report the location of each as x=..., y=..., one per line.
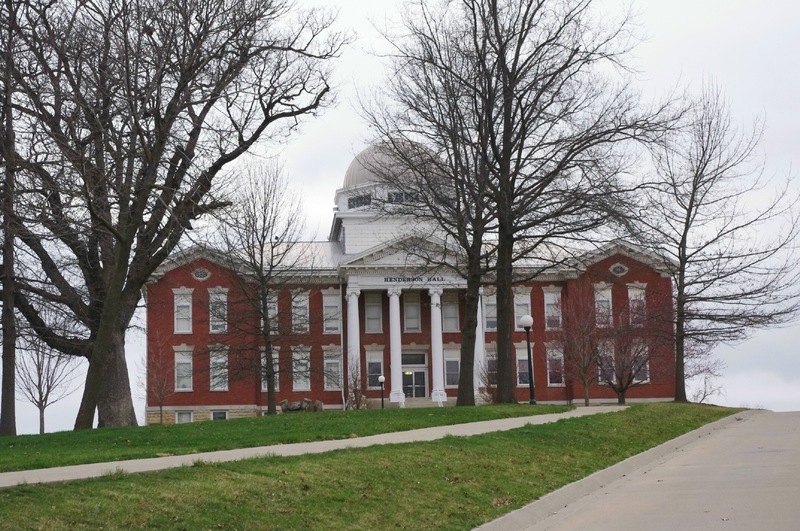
x=526, y=321
x=381, y=380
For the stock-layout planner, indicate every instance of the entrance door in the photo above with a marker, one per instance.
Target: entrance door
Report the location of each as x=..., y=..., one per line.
x=414, y=384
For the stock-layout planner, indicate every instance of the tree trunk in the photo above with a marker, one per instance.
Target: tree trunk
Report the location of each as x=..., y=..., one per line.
x=506, y=354
x=115, y=406
x=621, y=398
x=41, y=420
x=107, y=377
x=8, y=411
x=466, y=377
x=585, y=394
x=680, y=337
x=272, y=406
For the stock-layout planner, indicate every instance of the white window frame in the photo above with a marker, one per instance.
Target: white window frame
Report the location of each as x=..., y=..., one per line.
x=301, y=369
x=522, y=356
x=217, y=310
x=178, y=414
x=184, y=357
x=606, y=352
x=552, y=308
x=300, y=312
x=452, y=356
x=272, y=313
x=331, y=312
x=450, y=317
x=641, y=346
x=333, y=368
x=603, y=317
x=182, y=310
x=555, y=354
x=218, y=368
x=412, y=312
x=522, y=305
x=373, y=303
x=275, y=365
x=217, y=412
x=491, y=359
x=637, y=304
x=374, y=357
x=490, y=312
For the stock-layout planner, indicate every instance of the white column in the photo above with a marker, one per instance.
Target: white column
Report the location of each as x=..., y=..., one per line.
x=480, y=349
x=395, y=348
x=353, y=336
x=437, y=354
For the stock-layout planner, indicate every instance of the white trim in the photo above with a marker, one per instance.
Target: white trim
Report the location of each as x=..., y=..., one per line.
x=182, y=299
x=301, y=355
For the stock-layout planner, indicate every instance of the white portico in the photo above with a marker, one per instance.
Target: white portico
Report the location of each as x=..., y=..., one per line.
x=408, y=361
x=385, y=280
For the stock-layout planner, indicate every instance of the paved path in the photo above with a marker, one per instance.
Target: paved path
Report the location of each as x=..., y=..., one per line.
x=68, y=473
x=742, y=472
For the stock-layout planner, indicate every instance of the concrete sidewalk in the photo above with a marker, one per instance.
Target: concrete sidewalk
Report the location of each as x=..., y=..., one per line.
x=741, y=472
x=69, y=473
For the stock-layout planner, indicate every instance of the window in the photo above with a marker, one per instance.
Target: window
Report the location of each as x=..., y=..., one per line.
x=555, y=365
x=491, y=370
x=301, y=369
x=218, y=370
x=219, y=415
x=183, y=417
x=606, y=366
x=183, y=310
x=359, y=201
x=450, y=313
x=490, y=312
x=331, y=313
x=552, y=309
x=522, y=306
x=523, y=376
x=400, y=197
x=374, y=369
x=640, y=362
x=270, y=313
x=411, y=312
x=274, y=369
x=374, y=313
x=183, y=370
x=452, y=368
x=218, y=310
x=602, y=305
x=333, y=369
x=300, y=312
x=416, y=358
x=636, y=304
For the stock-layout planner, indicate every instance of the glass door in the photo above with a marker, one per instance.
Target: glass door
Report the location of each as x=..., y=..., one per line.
x=414, y=384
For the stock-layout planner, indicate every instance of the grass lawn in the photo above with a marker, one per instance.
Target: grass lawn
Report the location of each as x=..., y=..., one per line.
x=453, y=483
x=26, y=452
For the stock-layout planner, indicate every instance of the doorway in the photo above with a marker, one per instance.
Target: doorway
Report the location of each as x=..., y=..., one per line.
x=415, y=371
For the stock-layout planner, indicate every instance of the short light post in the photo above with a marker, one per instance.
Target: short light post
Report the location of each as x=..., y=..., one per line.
x=381, y=380
x=526, y=321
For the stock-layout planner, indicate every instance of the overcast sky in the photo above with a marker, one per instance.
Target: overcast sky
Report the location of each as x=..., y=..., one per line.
x=749, y=47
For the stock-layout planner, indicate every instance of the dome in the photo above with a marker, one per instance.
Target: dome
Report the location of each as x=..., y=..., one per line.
x=361, y=170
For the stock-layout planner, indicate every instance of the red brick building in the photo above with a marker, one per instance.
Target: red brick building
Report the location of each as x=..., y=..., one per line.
x=367, y=310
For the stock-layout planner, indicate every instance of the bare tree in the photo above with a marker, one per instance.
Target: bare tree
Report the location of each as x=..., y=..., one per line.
x=734, y=263
x=521, y=130
x=157, y=378
x=260, y=237
x=580, y=341
x=130, y=112
x=45, y=376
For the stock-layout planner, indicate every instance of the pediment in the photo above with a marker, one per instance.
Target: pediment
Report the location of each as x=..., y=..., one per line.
x=408, y=252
